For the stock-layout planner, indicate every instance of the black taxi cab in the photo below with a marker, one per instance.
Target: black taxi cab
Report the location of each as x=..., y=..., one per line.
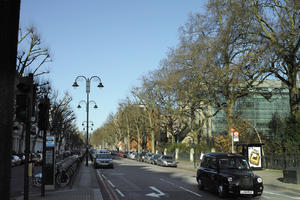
x=228, y=174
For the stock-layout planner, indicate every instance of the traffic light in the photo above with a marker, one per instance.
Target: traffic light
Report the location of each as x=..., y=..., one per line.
x=43, y=120
x=24, y=98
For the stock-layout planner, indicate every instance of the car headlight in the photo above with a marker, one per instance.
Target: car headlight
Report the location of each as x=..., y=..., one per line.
x=229, y=179
x=259, y=180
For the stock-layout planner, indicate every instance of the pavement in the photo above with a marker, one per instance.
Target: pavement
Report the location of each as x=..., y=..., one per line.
x=85, y=185
x=271, y=178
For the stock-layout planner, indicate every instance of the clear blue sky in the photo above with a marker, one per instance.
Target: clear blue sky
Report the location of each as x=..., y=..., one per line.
x=117, y=40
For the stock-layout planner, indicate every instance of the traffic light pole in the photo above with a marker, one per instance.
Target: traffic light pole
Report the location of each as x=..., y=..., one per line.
x=43, y=126
x=27, y=138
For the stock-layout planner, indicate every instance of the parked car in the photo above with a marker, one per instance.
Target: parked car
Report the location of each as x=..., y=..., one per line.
x=148, y=157
x=15, y=160
x=154, y=158
x=103, y=160
x=228, y=174
x=132, y=155
x=123, y=154
x=141, y=156
x=166, y=161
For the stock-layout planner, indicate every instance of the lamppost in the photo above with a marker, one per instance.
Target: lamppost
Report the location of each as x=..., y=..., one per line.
x=92, y=124
x=88, y=85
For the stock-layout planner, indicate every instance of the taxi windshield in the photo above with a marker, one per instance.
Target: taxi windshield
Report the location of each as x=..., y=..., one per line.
x=234, y=163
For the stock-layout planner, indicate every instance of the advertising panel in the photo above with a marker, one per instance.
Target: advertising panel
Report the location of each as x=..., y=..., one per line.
x=254, y=155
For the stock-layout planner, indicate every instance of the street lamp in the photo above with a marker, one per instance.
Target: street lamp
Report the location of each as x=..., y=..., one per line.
x=88, y=85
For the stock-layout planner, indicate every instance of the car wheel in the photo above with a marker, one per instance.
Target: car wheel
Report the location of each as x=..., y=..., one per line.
x=200, y=184
x=221, y=191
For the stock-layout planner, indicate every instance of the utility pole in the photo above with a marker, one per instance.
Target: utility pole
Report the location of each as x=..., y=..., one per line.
x=43, y=126
x=24, y=98
x=9, y=23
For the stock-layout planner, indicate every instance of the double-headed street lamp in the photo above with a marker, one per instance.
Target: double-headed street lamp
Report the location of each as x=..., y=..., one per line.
x=92, y=124
x=88, y=85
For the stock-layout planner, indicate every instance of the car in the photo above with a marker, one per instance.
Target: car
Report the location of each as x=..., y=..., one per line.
x=103, y=160
x=228, y=174
x=166, y=161
x=154, y=158
x=141, y=156
x=148, y=157
x=132, y=155
x=15, y=160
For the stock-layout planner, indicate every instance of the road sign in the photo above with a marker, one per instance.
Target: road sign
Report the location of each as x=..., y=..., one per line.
x=50, y=141
x=235, y=136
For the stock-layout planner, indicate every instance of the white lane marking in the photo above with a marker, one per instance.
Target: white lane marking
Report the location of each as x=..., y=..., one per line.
x=120, y=193
x=111, y=183
x=187, y=190
x=157, y=190
x=283, y=195
x=153, y=194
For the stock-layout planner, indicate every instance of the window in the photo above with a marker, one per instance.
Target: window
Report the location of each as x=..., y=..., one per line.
x=233, y=163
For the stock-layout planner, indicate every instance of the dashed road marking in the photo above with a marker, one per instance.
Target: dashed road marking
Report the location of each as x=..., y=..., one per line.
x=112, y=185
x=120, y=193
x=187, y=190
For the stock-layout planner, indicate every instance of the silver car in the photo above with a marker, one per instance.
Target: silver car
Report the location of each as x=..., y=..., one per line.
x=103, y=160
x=166, y=161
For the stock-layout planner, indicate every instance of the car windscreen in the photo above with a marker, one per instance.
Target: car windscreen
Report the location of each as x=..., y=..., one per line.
x=103, y=156
x=234, y=163
x=167, y=157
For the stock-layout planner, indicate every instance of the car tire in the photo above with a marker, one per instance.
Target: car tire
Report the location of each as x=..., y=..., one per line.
x=200, y=184
x=221, y=191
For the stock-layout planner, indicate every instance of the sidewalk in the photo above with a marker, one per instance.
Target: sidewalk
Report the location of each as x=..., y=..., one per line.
x=271, y=178
x=85, y=187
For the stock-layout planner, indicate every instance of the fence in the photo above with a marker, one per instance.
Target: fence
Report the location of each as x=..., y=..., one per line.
x=281, y=161
x=269, y=161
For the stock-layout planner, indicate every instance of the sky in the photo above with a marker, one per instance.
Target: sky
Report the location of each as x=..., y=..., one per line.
x=117, y=40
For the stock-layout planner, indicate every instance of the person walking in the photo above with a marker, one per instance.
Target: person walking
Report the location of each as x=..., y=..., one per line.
x=201, y=156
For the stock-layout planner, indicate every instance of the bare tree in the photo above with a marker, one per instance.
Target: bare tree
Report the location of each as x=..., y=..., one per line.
x=279, y=31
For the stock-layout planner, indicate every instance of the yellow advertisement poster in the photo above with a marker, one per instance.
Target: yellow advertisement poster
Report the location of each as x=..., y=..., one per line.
x=254, y=155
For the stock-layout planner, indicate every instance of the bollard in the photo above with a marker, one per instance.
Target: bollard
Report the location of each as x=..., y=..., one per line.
x=30, y=169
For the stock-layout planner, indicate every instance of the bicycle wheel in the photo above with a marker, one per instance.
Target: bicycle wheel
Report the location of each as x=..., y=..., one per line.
x=63, y=179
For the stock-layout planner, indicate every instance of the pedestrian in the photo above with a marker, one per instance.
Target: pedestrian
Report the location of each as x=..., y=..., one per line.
x=201, y=156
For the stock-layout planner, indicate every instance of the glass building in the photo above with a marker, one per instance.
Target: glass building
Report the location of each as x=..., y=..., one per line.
x=258, y=108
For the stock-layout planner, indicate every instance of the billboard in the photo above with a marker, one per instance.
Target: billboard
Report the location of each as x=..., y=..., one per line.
x=254, y=156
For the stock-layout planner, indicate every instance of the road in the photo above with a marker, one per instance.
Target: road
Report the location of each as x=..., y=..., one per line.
x=134, y=180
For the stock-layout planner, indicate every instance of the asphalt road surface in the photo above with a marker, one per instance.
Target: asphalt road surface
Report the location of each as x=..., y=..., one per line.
x=132, y=180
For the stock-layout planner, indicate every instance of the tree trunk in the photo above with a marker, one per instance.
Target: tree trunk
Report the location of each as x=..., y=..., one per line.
x=230, y=116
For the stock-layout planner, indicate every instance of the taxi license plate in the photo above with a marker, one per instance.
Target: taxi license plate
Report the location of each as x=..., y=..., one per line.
x=246, y=192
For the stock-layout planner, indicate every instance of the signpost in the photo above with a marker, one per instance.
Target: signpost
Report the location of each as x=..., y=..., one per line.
x=235, y=138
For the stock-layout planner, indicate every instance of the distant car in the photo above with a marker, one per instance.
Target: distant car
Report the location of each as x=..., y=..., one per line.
x=148, y=157
x=132, y=155
x=103, y=160
x=15, y=160
x=141, y=156
x=166, y=161
x=228, y=174
x=154, y=158
x=123, y=154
